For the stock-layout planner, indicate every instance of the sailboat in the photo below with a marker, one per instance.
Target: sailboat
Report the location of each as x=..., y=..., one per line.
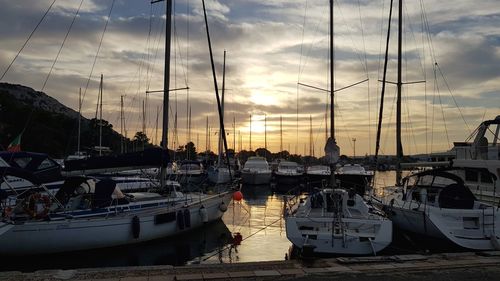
x=87, y=213
x=436, y=203
x=220, y=174
x=332, y=220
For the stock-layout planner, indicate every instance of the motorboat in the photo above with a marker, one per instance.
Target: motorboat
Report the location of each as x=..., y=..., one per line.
x=87, y=213
x=354, y=176
x=436, y=203
x=256, y=171
x=288, y=175
x=336, y=222
x=316, y=174
x=191, y=172
x=479, y=160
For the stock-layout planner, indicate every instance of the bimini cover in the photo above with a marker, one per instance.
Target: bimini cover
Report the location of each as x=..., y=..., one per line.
x=456, y=196
x=19, y=173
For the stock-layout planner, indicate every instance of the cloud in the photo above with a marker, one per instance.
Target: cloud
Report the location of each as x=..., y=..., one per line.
x=271, y=46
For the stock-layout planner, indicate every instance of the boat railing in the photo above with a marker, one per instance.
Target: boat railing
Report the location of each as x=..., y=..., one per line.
x=291, y=204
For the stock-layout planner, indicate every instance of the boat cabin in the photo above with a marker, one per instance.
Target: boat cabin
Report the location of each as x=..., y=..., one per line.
x=439, y=188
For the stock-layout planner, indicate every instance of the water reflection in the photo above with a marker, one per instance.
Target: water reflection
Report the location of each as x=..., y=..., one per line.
x=178, y=250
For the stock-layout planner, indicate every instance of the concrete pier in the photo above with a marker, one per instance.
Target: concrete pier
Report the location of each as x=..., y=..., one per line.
x=446, y=266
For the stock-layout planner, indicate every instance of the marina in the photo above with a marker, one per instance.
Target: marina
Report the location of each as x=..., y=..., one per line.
x=291, y=189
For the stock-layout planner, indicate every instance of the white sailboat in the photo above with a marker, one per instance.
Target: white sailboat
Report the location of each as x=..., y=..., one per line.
x=87, y=213
x=334, y=220
x=436, y=203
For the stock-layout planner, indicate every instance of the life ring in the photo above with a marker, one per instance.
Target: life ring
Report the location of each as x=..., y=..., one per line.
x=32, y=204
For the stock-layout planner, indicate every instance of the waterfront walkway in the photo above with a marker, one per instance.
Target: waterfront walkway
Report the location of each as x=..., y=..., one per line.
x=436, y=267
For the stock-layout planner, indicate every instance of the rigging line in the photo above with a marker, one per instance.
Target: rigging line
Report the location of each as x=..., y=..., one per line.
x=367, y=76
x=452, y=96
x=27, y=40
x=261, y=229
x=444, y=119
x=351, y=31
x=409, y=26
x=62, y=45
x=433, y=108
x=98, y=50
x=302, y=43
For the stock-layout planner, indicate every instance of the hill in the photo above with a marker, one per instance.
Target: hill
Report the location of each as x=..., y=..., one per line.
x=49, y=126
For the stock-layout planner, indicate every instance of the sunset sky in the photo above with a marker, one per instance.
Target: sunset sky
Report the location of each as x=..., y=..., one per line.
x=271, y=47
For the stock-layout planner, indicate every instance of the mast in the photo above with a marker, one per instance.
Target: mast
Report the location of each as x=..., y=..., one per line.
x=79, y=120
x=381, y=111
x=234, y=135
x=100, y=118
x=281, y=133
x=166, y=83
x=399, y=146
x=222, y=106
x=265, y=132
x=121, y=124
x=310, y=136
x=219, y=107
x=331, y=149
x=250, y=132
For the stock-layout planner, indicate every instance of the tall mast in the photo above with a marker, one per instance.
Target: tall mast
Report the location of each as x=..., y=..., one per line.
x=399, y=146
x=166, y=83
x=331, y=149
x=310, y=136
x=281, y=133
x=100, y=118
x=234, y=134
x=79, y=120
x=222, y=107
x=265, y=132
x=250, y=132
x=121, y=125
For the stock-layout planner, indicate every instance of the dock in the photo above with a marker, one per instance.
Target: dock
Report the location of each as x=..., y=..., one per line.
x=444, y=266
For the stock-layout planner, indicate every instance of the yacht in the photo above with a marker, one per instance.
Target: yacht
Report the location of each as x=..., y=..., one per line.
x=437, y=203
x=256, y=171
x=479, y=160
x=191, y=172
x=288, y=175
x=336, y=221
x=318, y=174
x=354, y=176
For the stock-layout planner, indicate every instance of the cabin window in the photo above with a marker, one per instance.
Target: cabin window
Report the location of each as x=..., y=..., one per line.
x=486, y=177
x=23, y=161
x=471, y=175
x=471, y=223
x=46, y=164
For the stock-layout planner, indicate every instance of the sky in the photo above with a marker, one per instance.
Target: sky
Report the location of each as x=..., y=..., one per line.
x=271, y=47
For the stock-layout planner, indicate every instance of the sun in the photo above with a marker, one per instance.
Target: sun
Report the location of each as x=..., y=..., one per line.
x=262, y=99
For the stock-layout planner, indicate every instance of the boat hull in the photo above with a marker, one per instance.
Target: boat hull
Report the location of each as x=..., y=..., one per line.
x=471, y=229
x=324, y=243
x=117, y=228
x=254, y=178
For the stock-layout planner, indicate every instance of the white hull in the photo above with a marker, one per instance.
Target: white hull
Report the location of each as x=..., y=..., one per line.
x=336, y=222
x=249, y=177
x=353, y=242
x=474, y=229
x=219, y=175
x=41, y=237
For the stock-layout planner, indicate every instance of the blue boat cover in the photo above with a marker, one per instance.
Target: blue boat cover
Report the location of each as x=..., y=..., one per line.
x=152, y=157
